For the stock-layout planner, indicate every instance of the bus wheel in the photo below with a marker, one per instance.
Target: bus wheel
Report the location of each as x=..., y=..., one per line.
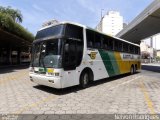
x=132, y=70
x=84, y=79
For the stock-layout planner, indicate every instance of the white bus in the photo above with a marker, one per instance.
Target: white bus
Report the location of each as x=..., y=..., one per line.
x=68, y=54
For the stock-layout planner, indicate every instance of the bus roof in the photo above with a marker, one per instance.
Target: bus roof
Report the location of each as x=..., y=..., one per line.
x=86, y=27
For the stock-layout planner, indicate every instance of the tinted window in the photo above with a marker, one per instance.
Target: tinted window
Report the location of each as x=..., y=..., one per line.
x=132, y=49
x=51, y=31
x=90, y=38
x=110, y=44
x=120, y=46
x=105, y=43
x=73, y=31
x=125, y=47
x=97, y=42
x=116, y=47
x=137, y=50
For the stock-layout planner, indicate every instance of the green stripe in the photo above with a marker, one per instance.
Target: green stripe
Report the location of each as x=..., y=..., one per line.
x=110, y=62
x=114, y=63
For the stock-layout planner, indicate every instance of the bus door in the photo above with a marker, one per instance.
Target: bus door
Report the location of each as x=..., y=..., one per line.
x=69, y=62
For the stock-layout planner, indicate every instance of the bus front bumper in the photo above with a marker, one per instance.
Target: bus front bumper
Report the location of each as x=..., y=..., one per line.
x=50, y=81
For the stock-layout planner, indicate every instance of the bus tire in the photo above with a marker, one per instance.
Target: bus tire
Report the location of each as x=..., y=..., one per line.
x=84, y=79
x=132, y=70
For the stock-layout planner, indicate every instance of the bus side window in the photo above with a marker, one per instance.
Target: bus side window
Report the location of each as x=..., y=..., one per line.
x=132, y=49
x=116, y=45
x=125, y=47
x=97, y=40
x=137, y=50
x=120, y=46
x=90, y=38
x=110, y=44
x=129, y=48
x=90, y=43
x=105, y=43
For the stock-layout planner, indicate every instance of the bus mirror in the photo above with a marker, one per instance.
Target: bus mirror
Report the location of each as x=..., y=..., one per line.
x=67, y=47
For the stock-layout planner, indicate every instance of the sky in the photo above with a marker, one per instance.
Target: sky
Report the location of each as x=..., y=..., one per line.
x=86, y=12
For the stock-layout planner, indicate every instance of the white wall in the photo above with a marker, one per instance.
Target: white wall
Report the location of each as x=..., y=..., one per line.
x=112, y=23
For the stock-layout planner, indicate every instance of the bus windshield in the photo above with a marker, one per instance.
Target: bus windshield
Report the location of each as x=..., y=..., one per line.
x=51, y=31
x=47, y=54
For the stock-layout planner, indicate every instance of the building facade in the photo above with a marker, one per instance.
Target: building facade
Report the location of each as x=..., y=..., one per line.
x=13, y=49
x=111, y=23
x=158, y=53
x=147, y=52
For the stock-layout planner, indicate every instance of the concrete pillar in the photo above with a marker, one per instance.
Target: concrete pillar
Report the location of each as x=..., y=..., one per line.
x=9, y=58
x=151, y=42
x=18, y=56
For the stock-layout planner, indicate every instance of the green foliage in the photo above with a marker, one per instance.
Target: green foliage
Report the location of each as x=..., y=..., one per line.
x=8, y=24
x=15, y=14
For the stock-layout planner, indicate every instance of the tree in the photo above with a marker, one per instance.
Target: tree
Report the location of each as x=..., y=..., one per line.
x=15, y=14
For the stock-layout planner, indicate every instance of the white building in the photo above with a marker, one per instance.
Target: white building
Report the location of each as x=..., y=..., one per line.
x=147, y=51
x=153, y=41
x=111, y=23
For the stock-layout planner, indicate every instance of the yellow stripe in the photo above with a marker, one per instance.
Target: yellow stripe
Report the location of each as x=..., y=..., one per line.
x=120, y=62
x=147, y=99
x=124, y=65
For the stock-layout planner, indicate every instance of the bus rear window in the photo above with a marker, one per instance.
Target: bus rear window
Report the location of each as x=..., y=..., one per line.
x=51, y=31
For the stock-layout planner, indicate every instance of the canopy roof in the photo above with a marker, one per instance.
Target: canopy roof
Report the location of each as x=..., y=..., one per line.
x=146, y=24
x=10, y=40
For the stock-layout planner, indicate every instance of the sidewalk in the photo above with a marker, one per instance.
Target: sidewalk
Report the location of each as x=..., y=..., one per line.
x=151, y=64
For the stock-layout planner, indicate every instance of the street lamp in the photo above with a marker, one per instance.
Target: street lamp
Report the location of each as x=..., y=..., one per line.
x=102, y=13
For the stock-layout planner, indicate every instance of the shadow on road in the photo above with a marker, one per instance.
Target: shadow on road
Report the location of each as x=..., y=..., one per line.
x=151, y=68
x=9, y=69
x=74, y=89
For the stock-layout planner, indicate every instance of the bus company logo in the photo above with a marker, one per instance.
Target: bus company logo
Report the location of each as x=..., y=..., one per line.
x=128, y=56
x=93, y=55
